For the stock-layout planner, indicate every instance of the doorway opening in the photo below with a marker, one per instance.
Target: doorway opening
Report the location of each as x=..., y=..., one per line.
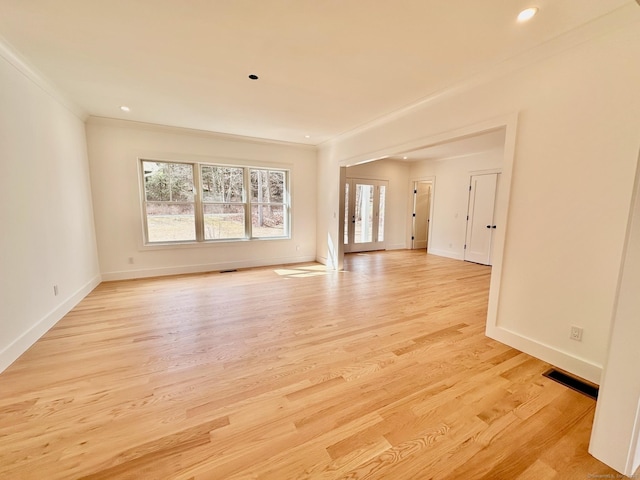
x=422, y=191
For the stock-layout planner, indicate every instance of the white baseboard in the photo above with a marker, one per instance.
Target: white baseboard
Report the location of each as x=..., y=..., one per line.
x=446, y=253
x=209, y=267
x=566, y=361
x=395, y=246
x=21, y=344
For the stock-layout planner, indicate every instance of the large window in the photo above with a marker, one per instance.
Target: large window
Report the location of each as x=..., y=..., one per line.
x=185, y=202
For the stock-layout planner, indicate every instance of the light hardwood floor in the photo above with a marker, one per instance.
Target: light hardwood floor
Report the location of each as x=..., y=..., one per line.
x=378, y=372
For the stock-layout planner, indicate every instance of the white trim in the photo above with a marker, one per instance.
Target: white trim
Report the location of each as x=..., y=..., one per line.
x=155, y=127
x=198, y=203
x=488, y=171
x=431, y=179
x=615, y=435
x=445, y=253
x=21, y=344
x=561, y=359
x=424, y=142
x=409, y=232
x=374, y=244
x=202, y=268
x=11, y=55
x=471, y=212
x=396, y=246
x=503, y=201
x=509, y=122
x=226, y=161
x=322, y=260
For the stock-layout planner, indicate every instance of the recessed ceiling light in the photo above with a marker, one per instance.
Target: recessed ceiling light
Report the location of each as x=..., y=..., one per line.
x=124, y=108
x=527, y=14
x=307, y=136
x=253, y=77
x=405, y=158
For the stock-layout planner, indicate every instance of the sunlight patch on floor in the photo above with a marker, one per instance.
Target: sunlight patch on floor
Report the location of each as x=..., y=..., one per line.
x=305, y=271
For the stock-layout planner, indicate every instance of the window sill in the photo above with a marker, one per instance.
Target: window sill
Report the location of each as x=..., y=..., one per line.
x=208, y=243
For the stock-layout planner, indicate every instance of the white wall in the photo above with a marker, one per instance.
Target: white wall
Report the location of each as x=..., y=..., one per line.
x=47, y=230
x=451, y=197
x=571, y=181
x=397, y=173
x=329, y=233
x=114, y=149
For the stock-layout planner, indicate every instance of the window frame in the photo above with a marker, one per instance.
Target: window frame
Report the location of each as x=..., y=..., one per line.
x=285, y=204
x=203, y=203
x=199, y=203
x=145, y=202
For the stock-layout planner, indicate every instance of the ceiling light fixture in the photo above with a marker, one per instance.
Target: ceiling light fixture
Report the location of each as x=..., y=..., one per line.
x=253, y=77
x=307, y=136
x=527, y=14
x=124, y=108
x=405, y=158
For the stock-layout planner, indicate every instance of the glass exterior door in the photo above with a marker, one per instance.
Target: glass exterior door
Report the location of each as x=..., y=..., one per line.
x=364, y=214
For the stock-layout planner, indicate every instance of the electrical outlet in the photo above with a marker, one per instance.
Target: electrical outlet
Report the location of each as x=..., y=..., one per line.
x=130, y=259
x=576, y=333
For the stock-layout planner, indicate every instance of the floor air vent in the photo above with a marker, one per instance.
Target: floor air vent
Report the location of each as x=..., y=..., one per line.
x=573, y=383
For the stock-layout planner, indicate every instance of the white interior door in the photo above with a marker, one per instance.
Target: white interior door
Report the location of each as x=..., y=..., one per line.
x=480, y=226
x=421, y=213
x=364, y=215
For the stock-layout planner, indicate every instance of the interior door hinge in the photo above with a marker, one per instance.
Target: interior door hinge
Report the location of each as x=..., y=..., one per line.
x=465, y=246
x=413, y=238
x=469, y=187
x=415, y=191
x=414, y=215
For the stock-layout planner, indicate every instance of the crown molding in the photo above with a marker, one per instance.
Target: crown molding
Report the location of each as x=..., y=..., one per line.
x=619, y=18
x=156, y=127
x=15, y=59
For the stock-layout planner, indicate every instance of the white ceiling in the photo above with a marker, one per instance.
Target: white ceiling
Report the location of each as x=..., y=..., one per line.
x=325, y=66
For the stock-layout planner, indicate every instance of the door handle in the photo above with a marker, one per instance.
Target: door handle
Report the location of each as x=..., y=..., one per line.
x=488, y=226
x=493, y=226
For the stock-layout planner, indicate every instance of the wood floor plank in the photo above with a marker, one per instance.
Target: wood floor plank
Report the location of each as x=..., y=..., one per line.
x=382, y=371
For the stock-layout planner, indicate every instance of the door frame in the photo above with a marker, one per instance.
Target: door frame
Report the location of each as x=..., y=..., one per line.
x=493, y=171
x=351, y=246
x=334, y=255
x=411, y=223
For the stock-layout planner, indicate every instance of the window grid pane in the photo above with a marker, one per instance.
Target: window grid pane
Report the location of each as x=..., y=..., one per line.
x=171, y=222
x=224, y=221
x=268, y=220
x=222, y=184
